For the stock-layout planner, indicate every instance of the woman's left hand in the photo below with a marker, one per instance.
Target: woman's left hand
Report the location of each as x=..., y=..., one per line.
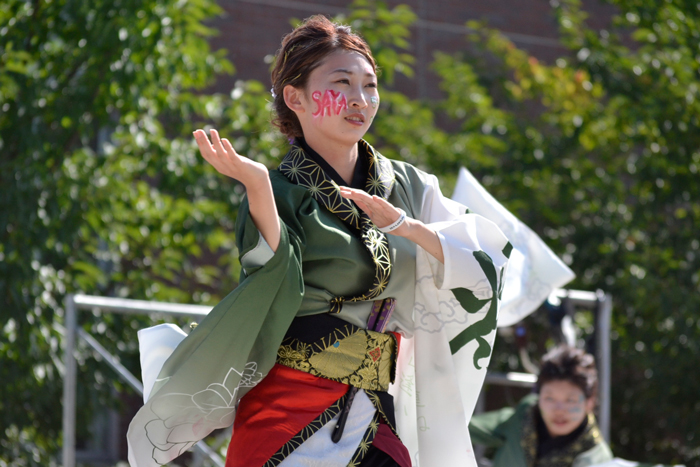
x=381, y=212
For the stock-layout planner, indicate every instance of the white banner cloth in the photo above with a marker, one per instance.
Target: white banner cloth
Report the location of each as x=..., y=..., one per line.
x=533, y=272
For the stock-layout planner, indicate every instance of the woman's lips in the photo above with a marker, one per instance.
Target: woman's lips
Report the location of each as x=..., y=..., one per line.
x=356, y=119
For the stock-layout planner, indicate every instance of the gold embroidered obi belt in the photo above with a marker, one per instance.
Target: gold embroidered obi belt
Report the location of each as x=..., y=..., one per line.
x=331, y=348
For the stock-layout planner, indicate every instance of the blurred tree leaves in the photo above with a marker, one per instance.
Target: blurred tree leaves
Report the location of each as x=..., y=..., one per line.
x=648, y=66
x=387, y=30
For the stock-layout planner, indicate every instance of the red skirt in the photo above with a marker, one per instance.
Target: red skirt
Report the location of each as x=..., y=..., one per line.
x=284, y=403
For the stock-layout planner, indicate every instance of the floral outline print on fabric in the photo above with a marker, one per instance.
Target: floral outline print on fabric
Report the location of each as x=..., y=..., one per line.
x=177, y=433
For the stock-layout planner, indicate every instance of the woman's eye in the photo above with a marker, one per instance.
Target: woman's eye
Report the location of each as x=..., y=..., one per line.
x=344, y=81
x=372, y=85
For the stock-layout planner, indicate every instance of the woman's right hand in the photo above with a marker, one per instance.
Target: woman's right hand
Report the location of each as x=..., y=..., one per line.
x=221, y=155
x=253, y=175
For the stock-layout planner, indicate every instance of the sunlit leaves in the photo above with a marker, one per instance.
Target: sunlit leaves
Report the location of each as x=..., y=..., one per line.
x=387, y=32
x=102, y=188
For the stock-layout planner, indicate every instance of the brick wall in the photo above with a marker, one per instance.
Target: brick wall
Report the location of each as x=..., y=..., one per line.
x=252, y=30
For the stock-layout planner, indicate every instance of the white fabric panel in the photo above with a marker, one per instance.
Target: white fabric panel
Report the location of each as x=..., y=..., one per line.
x=441, y=417
x=435, y=391
x=534, y=271
x=320, y=451
x=471, y=382
x=156, y=344
x=460, y=239
x=404, y=392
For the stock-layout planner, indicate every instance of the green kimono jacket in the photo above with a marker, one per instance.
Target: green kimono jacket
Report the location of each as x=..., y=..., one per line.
x=512, y=433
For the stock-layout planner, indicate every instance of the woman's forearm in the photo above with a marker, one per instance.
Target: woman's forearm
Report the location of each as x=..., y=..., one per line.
x=420, y=234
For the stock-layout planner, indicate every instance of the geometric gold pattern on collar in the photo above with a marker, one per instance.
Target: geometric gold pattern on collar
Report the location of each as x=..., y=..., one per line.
x=303, y=171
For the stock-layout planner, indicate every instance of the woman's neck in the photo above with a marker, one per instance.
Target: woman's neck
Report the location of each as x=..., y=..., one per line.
x=338, y=155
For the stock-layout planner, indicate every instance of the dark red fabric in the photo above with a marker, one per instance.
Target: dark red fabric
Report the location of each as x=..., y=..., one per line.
x=385, y=440
x=275, y=410
x=398, y=341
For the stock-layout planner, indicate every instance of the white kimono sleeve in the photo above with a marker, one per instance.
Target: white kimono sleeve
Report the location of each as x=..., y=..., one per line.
x=258, y=256
x=442, y=367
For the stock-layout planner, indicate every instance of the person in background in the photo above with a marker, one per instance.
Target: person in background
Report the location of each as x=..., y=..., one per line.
x=555, y=427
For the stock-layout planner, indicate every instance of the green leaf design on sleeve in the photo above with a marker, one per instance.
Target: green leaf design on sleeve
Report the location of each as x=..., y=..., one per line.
x=507, y=250
x=468, y=300
x=471, y=304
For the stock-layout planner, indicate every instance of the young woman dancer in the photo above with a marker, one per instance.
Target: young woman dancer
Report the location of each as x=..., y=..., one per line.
x=357, y=273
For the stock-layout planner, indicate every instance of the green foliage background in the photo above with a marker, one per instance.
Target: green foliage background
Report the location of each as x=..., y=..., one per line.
x=102, y=190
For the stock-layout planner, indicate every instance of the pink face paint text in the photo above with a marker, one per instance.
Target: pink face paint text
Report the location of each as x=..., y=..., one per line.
x=332, y=103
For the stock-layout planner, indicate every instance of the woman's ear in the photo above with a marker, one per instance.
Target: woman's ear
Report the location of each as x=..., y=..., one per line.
x=294, y=98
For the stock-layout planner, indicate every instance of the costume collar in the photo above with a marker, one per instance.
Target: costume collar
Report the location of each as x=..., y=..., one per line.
x=547, y=443
x=359, y=176
x=301, y=168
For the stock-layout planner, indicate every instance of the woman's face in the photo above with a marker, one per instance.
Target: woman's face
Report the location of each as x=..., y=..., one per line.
x=563, y=406
x=340, y=99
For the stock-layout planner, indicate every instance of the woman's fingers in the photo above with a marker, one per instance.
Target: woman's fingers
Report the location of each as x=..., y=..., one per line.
x=380, y=211
x=209, y=152
x=219, y=152
x=228, y=147
x=354, y=194
x=216, y=142
x=205, y=148
x=224, y=158
x=203, y=142
x=361, y=198
x=225, y=152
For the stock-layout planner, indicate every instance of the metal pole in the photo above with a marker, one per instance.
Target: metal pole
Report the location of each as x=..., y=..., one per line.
x=518, y=380
x=70, y=381
x=125, y=305
x=113, y=362
x=581, y=298
x=604, y=363
x=75, y=302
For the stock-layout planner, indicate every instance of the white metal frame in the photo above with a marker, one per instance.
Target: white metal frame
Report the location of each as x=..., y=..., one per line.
x=75, y=303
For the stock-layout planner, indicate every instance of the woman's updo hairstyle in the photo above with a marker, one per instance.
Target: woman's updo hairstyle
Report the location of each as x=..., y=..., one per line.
x=564, y=363
x=301, y=52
